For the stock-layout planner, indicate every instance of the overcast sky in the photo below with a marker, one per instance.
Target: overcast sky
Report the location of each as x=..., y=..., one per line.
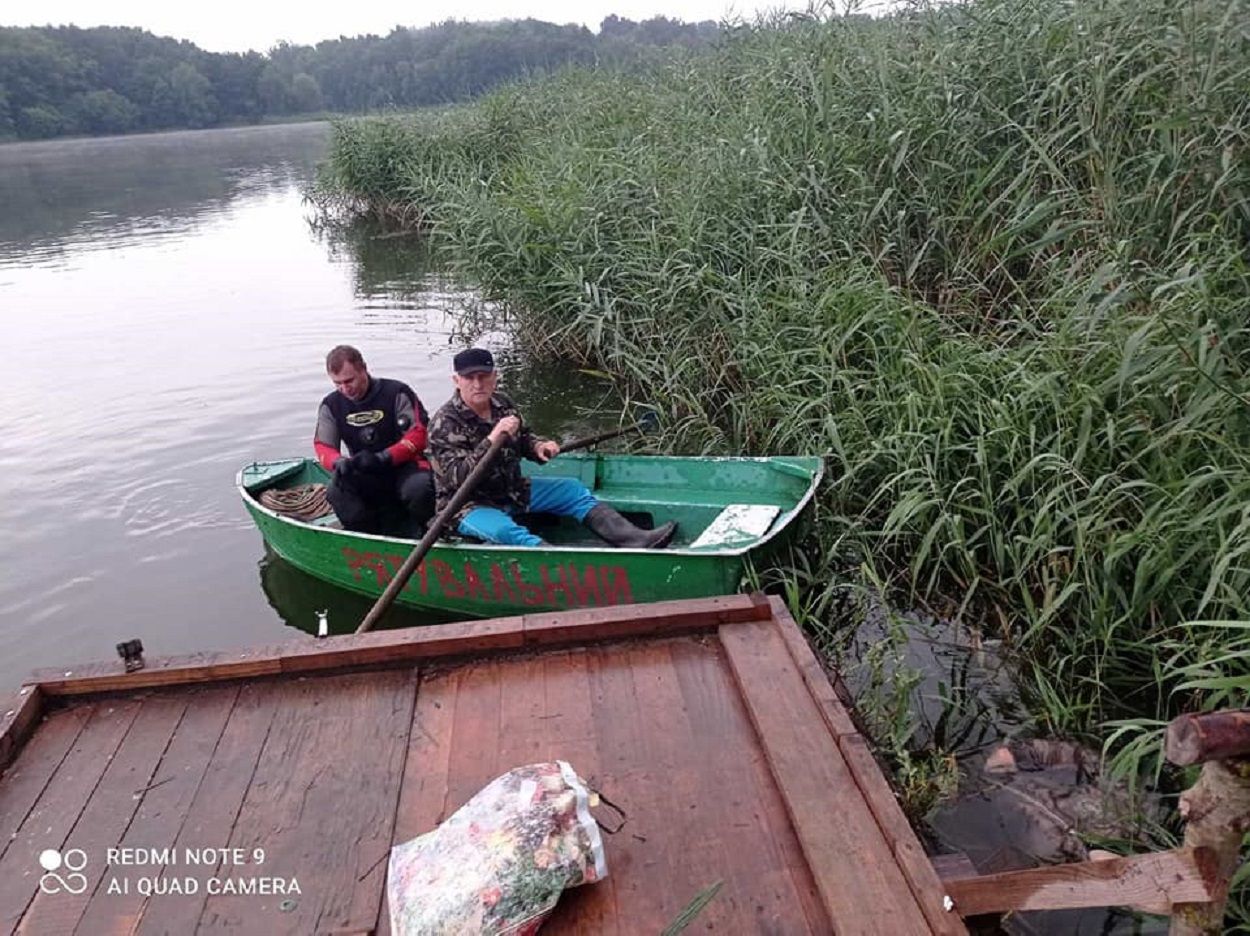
x=235, y=26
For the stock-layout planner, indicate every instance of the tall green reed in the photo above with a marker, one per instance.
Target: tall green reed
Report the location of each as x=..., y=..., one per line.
x=990, y=258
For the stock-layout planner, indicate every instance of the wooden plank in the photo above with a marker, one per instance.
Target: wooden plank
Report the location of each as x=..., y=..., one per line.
x=814, y=676
x=169, y=671
x=400, y=647
x=751, y=824
x=109, y=810
x=524, y=737
x=321, y=805
x=634, y=772
x=627, y=621
x=1183, y=875
x=17, y=720
x=567, y=731
x=215, y=806
x=162, y=808
x=405, y=647
x=869, y=893
x=49, y=822
x=475, y=733
x=707, y=735
x=423, y=798
x=27, y=777
x=423, y=793
x=926, y=887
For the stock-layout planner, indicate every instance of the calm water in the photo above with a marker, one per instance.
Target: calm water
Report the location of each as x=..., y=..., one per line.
x=167, y=307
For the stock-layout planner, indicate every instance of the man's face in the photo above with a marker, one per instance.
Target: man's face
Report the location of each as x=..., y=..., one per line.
x=476, y=389
x=351, y=381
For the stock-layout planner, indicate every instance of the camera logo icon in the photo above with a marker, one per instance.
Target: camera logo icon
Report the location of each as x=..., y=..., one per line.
x=53, y=862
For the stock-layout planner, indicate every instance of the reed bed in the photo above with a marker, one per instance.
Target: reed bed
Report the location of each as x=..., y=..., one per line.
x=989, y=257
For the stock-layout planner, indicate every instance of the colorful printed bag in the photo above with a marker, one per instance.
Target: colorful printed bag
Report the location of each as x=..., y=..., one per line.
x=498, y=864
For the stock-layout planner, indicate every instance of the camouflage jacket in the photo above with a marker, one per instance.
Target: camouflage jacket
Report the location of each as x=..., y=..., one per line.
x=458, y=438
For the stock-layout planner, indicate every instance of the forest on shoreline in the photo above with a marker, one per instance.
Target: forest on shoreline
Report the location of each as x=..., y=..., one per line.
x=65, y=80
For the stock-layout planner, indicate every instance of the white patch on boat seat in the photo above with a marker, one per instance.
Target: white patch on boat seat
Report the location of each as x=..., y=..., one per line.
x=737, y=523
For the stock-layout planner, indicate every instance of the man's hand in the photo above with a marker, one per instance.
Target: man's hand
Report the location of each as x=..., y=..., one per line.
x=509, y=426
x=546, y=450
x=343, y=466
x=371, y=461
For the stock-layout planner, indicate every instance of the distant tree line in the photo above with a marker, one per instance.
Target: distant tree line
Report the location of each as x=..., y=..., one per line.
x=66, y=80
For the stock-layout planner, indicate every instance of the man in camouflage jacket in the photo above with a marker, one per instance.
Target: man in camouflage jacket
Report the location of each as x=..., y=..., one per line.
x=461, y=433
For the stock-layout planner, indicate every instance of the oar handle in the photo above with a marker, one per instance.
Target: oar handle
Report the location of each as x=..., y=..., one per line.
x=431, y=534
x=602, y=437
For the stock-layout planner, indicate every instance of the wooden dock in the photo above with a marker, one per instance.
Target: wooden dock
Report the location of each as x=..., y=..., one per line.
x=709, y=722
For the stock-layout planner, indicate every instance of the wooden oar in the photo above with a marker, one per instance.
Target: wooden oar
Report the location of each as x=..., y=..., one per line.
x=645, y=424
x=431, y=534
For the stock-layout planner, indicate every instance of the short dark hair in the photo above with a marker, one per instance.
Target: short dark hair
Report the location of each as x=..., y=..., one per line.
x=340, y=355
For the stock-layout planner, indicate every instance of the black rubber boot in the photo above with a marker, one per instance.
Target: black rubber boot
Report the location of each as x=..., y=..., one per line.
x=618, y=531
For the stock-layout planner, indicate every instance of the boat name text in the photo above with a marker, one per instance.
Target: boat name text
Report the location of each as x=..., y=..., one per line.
x=567, y=584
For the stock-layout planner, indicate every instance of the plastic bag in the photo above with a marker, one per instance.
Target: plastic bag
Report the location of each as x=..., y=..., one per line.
x=499, y=863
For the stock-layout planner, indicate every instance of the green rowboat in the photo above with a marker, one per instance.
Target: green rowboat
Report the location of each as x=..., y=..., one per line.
x=728, y=509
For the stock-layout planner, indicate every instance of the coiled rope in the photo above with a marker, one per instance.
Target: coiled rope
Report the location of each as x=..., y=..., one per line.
x=304, y=502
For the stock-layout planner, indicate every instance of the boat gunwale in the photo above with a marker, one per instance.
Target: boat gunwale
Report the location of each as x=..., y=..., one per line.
x=252, y=503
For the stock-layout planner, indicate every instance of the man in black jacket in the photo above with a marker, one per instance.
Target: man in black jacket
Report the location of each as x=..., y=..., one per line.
x=382, y=423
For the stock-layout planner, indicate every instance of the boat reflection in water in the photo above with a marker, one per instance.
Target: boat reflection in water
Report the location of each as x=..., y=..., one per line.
x=299, y=598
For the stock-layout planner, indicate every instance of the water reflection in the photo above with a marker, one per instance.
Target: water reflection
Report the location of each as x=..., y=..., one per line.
x=299, y=599
x=65, y=196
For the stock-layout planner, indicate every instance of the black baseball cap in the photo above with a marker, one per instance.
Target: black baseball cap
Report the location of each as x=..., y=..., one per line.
x=474, y=361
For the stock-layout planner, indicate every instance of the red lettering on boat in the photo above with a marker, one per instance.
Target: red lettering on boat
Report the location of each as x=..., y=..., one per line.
x=615, y=585
x=473, y=583
x=584, y=589
x=371, y=561
x=396, y=562
x=551, y=589
x=530, y=594
x=452, y=587
x=499, y=584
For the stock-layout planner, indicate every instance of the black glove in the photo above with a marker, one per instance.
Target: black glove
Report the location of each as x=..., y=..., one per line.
x=344, y=466
x=371, y=461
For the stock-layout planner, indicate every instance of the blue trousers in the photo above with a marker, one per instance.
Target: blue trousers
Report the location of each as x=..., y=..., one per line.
x=565, y=497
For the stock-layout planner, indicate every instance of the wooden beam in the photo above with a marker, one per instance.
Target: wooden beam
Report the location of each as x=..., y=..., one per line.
x=408, y=646
x=17, y=720
x=624, y=621
x=1216, y=811
x=1192, y=739
x=1157, y=880
x=873, y=786
x=814, y=676
x=826, y=808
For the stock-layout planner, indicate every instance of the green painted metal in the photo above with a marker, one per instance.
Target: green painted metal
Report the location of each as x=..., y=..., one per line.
x=577, y=569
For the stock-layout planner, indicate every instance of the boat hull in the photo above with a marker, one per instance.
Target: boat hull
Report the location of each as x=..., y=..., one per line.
x=485, y=580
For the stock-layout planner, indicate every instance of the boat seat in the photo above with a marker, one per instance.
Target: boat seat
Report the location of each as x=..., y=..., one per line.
x=737, y=524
